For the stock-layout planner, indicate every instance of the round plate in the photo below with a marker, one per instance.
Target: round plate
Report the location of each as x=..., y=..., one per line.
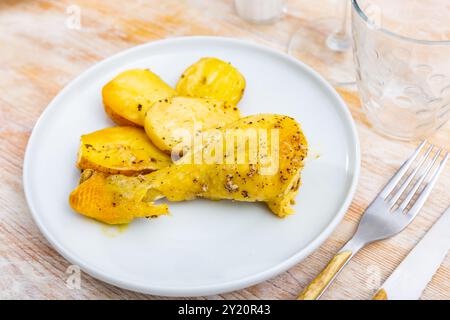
x=203, y=247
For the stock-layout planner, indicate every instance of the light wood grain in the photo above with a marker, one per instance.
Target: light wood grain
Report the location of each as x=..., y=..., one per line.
x=39, y=55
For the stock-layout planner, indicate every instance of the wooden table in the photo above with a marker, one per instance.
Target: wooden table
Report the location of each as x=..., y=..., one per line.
x=43, y=48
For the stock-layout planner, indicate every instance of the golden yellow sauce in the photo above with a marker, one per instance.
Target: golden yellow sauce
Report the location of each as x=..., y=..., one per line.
x=112, y=231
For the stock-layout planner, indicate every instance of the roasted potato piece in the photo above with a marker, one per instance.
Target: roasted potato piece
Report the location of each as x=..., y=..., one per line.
x=212, y=78
x=120, y=150
x=115, y=199
x=166, y=120
x=273, y=179
x=128, y=95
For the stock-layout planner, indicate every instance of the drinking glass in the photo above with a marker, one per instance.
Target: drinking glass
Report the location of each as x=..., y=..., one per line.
x=327, y=45
x=402, y=57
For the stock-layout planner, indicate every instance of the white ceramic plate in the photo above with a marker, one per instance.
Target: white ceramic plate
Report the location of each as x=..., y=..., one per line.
x=204, y=247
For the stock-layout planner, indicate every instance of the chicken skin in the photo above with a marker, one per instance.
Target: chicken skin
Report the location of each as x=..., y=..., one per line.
x=254, y=159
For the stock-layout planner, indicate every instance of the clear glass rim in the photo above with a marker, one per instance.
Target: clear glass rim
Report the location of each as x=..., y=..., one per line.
x=361, y=13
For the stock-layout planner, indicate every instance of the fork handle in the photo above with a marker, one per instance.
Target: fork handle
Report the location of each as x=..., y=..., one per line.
x=380, y=295
x=318, y=286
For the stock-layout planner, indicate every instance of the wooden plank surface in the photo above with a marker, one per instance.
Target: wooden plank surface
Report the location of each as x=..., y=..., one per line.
x=42, y=49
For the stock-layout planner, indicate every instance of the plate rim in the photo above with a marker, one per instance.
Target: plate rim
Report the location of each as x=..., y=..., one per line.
x=203, y=290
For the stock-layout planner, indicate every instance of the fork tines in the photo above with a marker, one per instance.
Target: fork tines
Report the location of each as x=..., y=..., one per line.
x=411, y=185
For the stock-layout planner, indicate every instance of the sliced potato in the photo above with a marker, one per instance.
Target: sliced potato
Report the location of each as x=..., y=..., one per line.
x=115, y=199
x=128, y=95
x=212, y=78
x=168, y=119
x=120, y=150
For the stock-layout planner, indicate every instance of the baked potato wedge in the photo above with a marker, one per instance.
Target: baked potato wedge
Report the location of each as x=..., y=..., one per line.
x=167, y=120
x=273, y=178
x=127, y=97
x=212, y=78
x=115, y=199
x=120, y=150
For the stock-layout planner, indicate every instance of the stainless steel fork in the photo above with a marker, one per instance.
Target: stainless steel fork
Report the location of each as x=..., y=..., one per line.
x=392, y=210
